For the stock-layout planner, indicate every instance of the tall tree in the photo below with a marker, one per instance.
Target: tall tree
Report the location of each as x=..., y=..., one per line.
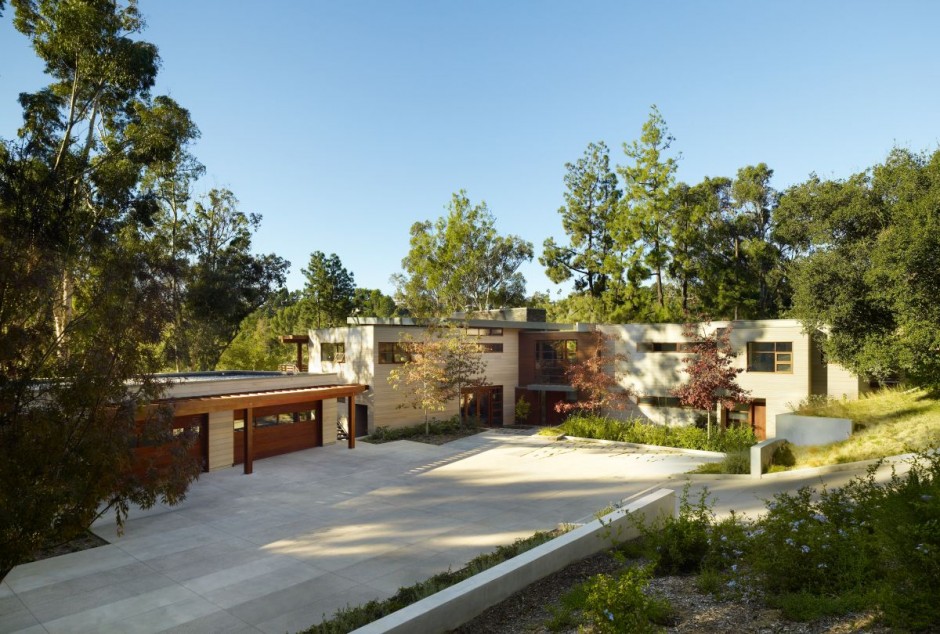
x=460, y=262
x=587, y=218
x=329, y=291
x=80, y=295
x=644, y=225
x=696, y=214
x=713, y=379
x=227, y=282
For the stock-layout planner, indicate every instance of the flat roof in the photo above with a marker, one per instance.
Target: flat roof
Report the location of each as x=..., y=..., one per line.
x=187, y=405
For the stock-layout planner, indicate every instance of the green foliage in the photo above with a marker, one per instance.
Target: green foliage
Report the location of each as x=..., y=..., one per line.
x=460, y=262
x=329, y=290
x=371, y=302
x=645, y=433
x=737, y=462
x=868, y=273
x=783, y=456
x=678, y=545
x=591, y=202
x=522, y=410
x=621, y=603
x=434, y=428
x=353, y=617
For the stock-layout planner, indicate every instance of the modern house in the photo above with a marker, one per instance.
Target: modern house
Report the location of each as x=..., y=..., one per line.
x=526, y=357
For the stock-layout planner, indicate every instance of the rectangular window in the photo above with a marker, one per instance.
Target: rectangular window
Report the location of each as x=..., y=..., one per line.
x=484, y=332
x=660, y=401
x=392, y=352
x=663, y=346
x=552, y=358
x=770, y=356
x=332, y=352
x=491, y=347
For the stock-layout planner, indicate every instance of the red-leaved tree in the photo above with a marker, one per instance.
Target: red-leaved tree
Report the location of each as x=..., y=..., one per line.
x=596, y=379
x=712, y=375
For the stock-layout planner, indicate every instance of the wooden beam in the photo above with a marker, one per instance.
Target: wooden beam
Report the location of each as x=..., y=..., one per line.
x=295, y=339
x=224, y=402
x=351, y=418
x=249, y=433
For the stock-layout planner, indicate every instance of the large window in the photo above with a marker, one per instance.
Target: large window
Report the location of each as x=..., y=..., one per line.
x=391, y=352
x=552, y=358
x=770, y=356
x=491, y=347
x=333, y=352
x=659, y=401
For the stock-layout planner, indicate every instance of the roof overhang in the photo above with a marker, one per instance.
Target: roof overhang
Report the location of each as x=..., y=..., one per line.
x=188, y=406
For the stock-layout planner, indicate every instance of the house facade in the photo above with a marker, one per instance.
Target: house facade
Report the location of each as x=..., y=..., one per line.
x=525, y=357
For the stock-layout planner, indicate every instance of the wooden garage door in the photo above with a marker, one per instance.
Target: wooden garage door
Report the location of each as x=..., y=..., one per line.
x=280, y=429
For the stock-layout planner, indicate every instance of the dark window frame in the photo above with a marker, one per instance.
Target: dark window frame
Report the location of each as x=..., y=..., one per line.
x=330, y=349
x=392, y=353
x=770, y=357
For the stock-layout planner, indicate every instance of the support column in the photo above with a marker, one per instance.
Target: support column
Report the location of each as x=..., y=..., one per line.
x=351, y=420
x=249, y=433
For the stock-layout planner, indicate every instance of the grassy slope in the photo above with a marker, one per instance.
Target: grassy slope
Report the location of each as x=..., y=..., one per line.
x=893, y=422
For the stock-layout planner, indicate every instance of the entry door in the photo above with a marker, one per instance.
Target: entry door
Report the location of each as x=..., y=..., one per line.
x=483, y=403
x=759, y=419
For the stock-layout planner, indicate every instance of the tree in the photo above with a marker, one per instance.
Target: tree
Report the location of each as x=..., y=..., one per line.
x=710, y=368
x=590, y=207
x=867, y=272
x=460, y=262
x=82, y=308
x=330, y=290
x=371, y=302
x=597, y=379
x=438, y=366
x=226, y=282
x=644, y=218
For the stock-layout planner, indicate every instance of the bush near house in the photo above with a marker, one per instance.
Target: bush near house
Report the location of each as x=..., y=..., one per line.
x=638, y=431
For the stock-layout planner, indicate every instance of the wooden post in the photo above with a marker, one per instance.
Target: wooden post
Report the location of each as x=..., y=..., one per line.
x=249, y=433
x=300, y=356
x=351, y=418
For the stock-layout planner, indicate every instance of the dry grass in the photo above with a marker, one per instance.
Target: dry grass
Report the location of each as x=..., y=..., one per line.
x=888, y=422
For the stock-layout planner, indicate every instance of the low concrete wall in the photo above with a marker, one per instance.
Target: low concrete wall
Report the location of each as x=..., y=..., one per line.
x=812, y=430
x=762, y=452
x=459, y=603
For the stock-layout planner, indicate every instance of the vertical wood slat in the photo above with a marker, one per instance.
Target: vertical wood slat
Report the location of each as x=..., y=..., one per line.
x=249, y=429
x=351, y=418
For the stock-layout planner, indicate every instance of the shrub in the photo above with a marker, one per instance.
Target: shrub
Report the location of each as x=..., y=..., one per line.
x=435, y=428
x=678, y=545
x=644, y=433
x=523, y=407
x=621, y=604
x=738, y=462
x=783, y=456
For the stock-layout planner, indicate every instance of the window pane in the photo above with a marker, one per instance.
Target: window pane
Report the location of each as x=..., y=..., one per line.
x=785, y=346
x=760, y=346
x=784, y=357
x=762, y=362
x=784, y=367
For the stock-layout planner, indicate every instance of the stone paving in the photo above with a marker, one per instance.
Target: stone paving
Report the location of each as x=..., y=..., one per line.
x=313, y=531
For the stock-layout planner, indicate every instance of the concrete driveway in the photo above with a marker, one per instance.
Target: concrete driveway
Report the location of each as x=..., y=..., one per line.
x=316, y=530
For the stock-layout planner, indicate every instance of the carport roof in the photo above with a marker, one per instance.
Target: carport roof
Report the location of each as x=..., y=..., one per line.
x=263, y=398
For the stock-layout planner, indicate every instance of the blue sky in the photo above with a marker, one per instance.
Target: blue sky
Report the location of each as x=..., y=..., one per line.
x=342, y=123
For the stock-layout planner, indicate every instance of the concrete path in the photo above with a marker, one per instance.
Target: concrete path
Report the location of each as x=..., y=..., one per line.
x=313, y=531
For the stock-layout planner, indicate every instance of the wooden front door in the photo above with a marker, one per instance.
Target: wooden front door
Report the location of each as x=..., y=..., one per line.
x=484, y=404
x=758, y=416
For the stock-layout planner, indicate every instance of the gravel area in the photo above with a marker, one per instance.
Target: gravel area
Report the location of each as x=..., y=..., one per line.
x=527, y=611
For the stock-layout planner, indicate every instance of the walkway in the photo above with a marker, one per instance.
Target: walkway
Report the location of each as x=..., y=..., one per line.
x=315, y=530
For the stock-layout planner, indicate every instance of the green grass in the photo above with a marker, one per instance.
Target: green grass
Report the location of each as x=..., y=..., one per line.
x=887, y=422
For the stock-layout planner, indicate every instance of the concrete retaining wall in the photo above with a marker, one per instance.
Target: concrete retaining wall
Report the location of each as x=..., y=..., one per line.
x=762, y=452
x=459, y=603
x=812, y=430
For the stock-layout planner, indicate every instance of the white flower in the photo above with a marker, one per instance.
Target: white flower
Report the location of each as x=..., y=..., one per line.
x=804, y=548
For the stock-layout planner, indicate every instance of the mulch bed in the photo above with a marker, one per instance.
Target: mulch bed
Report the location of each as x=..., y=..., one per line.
x=83, y=542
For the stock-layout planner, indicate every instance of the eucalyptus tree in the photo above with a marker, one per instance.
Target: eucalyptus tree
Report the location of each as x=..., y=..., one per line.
x=82, y=307
x=461, y=262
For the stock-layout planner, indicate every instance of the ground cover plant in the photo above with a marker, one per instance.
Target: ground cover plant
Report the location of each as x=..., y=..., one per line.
x=638, y=431
x=447, y=430
x=887, y=422
x=352, y=617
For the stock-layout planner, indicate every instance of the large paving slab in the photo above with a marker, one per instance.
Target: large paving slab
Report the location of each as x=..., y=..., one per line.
x=313, y=531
